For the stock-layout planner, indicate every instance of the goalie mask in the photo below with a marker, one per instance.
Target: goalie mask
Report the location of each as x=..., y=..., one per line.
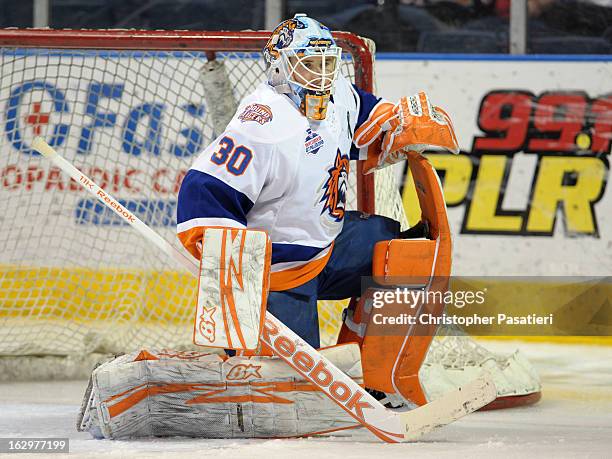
x=303, y=61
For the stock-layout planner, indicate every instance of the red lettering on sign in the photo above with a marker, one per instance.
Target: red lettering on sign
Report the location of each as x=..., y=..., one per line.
x=11, y=177
x=54, y=179
x=602, y=125
x=36, y=119
x=34, y=175
x=559, y=117
x=157, y=176
x=504, y=116
x=127, y=180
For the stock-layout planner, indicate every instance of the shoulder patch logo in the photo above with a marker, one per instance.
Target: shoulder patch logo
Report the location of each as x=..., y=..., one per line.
x=259, y=113
x=334, y=190
x=313, y=142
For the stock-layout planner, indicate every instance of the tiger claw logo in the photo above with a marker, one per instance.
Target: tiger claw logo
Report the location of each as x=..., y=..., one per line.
x=280, y=38
x=207, y=324
x=334, y=190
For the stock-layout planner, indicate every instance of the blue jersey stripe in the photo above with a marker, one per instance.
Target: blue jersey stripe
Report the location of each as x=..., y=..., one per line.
x=367, y=102
x=282, y=253
x=202, y=195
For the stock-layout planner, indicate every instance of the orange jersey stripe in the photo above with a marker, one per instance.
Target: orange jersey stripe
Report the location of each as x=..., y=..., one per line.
x=190, y=238
x=280, y=280
x=294, y=277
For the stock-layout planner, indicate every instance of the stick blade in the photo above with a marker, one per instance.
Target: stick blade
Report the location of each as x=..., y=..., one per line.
x=450, y=407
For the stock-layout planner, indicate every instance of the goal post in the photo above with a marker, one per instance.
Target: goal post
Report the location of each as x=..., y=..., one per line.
x=130, y=109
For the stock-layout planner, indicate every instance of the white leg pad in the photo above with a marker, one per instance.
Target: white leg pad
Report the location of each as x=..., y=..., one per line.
x=169, y=393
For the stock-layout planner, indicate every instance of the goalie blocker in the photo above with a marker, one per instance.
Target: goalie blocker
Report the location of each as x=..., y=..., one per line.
x=233, y=287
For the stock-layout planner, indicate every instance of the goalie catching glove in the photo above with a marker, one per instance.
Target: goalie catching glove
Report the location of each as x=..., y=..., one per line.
x=410, y=126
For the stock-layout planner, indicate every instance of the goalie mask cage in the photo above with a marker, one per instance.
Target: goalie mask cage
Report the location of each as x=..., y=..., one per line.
x=132, y=109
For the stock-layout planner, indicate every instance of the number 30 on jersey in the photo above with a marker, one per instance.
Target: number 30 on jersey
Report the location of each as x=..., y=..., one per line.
x=236, y=158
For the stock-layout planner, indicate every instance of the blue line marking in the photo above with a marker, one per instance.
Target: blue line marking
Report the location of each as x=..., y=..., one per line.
x=114, y=54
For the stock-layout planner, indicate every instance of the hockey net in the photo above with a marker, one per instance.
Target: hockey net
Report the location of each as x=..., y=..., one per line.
x=131, y=110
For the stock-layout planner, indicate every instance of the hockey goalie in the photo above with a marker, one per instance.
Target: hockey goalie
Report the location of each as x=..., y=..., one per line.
x=263, y=211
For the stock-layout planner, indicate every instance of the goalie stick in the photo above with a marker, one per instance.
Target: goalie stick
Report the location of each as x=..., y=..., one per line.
x=386, y=424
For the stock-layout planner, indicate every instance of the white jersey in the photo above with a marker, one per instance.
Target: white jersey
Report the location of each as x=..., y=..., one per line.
x=275, y=170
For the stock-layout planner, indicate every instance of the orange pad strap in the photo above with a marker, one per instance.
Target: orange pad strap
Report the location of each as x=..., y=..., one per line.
x=403, y=261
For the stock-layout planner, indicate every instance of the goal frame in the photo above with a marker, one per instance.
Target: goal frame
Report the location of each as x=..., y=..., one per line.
x=209, y=42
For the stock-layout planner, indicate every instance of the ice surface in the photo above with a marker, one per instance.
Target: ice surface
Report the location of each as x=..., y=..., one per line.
x=574, y=419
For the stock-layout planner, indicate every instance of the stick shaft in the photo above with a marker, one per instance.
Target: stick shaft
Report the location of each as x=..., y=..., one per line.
x=189, y=263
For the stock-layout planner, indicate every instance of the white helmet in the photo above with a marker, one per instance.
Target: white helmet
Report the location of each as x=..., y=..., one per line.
x=303, y=62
